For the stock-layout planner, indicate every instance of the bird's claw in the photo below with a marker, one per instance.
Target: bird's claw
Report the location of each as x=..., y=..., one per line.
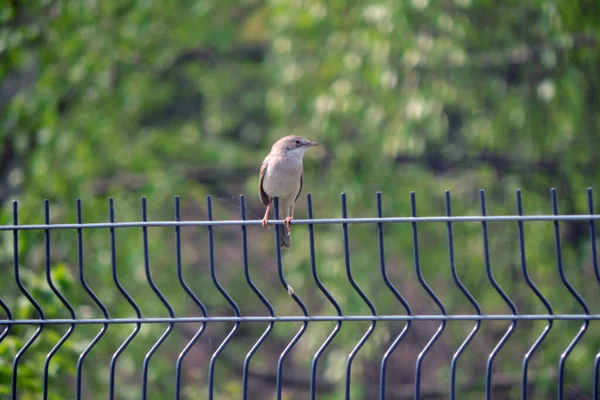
x=287, y=223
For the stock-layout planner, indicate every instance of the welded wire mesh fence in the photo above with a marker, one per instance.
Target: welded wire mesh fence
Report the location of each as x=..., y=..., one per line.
x=33, y=315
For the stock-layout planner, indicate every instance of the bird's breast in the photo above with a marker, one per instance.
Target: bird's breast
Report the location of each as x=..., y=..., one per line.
x=282, y=177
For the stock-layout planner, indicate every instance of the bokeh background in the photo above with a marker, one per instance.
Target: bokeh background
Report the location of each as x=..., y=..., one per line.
x=126, y=99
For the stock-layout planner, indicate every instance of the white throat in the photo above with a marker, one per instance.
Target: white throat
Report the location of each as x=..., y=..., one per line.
x=296, y=153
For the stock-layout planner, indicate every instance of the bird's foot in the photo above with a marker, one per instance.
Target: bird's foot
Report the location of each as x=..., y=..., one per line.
x=288, y=225
x=265, y=219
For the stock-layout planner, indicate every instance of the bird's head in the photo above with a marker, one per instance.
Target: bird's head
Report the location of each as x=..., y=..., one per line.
x=293, y=145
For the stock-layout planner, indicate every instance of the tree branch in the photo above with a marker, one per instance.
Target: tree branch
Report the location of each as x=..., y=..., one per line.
x=213, y=57
x=524, y=54
x=440, y=164
x=208, y=176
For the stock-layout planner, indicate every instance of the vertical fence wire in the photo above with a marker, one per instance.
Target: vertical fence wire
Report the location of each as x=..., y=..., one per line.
x=126, y=295
x=501, y=292
x=290, y=290
x=430, y=292
x=539, y=295
x=192, y=296
x=466, y=293
x=261, y=297
x=571, y=289
x=328, y=295
x=386, y=356
x=159, y=294
x=58, y=294
x=360, y=292
x=225, y=294
x=32, y=301
x=94, y=298
x=592, y=226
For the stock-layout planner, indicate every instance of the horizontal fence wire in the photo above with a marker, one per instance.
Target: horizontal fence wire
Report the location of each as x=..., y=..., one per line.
x=316, y=221
x=407, y=316
x=316, y=318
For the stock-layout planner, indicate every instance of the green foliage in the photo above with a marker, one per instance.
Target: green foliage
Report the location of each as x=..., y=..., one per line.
x=128, y=99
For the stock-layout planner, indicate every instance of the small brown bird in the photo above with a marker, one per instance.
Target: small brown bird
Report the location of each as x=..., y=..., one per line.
x=281, y=176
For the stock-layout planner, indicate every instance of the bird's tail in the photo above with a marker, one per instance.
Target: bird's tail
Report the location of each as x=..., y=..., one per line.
x=285, y=237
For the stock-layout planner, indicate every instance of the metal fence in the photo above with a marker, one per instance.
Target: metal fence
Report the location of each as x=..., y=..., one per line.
x=9, y=322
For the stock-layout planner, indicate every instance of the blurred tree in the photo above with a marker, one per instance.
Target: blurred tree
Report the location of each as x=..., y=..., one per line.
x=124, y=99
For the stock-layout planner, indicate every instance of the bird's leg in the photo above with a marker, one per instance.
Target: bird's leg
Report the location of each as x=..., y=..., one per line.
x=265, y=219
x=288, y=220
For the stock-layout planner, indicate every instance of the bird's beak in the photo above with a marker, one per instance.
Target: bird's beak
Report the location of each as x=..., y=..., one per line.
x=312, y=144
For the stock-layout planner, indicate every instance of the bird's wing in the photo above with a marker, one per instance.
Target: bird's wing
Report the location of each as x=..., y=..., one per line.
x=263, y=196
x=300, y=189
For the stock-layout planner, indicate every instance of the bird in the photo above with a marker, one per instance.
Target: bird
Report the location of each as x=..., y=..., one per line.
x=281, y=176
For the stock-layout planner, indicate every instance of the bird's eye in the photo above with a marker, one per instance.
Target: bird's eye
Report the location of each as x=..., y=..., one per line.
x=298, y=142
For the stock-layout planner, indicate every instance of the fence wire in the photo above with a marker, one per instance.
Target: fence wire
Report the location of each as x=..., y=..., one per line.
x=405, y=313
